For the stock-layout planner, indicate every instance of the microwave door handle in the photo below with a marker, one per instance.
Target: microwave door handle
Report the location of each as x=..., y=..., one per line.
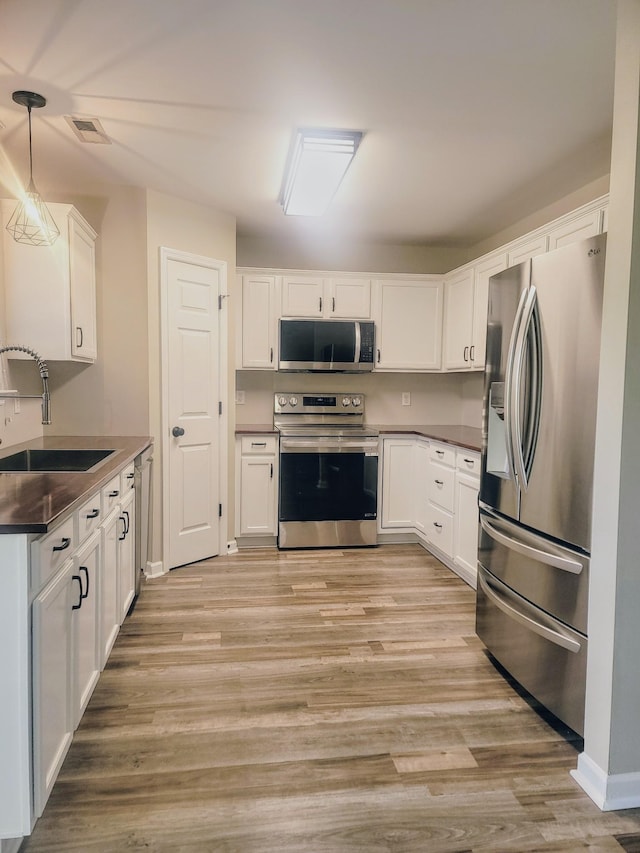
x=358, y=344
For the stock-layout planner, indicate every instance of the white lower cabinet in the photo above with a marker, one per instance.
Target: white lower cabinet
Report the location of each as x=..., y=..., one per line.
x=126, y=556
x=85, y=638
x=52, y=681
x=430, y=488
x=256, y=503
x=397, y=484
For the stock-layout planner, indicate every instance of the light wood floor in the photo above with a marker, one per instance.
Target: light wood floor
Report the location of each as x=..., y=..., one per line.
x=316, y=702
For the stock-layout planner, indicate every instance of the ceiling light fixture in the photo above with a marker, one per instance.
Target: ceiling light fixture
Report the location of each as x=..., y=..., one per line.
x=317, y=163
x=31, y=221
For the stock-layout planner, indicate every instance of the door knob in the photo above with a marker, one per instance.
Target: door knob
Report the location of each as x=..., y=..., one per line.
x=177, y=432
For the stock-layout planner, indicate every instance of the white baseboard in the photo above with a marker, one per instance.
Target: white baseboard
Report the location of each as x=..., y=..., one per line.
x=10, y=845
x=608, y=792
x=232, y=547
x=154, y=570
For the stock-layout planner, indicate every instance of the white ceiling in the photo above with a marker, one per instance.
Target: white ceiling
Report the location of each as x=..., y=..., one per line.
x=475, y=112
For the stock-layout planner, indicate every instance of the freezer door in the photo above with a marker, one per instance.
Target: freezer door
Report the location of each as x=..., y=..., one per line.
x=543, y=655
x=552, y=577
x=568, y=284
x=507, y=291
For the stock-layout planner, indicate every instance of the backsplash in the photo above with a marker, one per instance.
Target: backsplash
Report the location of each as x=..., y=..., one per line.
x=435, y=398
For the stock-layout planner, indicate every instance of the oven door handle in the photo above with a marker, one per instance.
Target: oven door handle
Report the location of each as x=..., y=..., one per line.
x=320, y=445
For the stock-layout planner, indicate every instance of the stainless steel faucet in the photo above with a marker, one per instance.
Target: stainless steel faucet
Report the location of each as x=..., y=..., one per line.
x=44, y=375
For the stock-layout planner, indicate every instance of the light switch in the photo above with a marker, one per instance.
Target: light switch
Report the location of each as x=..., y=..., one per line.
x=406, y=398
x=240, y=397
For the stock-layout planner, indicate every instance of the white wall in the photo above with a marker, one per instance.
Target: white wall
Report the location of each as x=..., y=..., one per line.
x=436, y=398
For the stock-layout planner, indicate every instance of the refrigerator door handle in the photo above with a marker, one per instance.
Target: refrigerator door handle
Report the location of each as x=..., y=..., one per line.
x=509, y=387
x=515, y=389
x=555, y=560
x=532, y=624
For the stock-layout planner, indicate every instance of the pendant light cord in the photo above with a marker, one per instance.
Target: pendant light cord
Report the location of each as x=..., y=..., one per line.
x=30, y=151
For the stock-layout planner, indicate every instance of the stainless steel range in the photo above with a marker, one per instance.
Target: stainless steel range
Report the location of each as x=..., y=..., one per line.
x=328, y=471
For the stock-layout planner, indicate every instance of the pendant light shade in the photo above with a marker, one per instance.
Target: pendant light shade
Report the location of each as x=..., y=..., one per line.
x=31, y=221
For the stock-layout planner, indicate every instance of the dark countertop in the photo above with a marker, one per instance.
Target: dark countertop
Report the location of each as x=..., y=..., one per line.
x=32, y=502
x=255, y=429
x=461, y=436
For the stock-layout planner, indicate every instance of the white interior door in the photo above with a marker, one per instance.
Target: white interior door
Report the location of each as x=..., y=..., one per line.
x=191, y=418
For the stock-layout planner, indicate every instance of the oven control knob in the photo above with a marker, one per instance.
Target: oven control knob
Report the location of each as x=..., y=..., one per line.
x=356, y=401
x=346, y=401
x=282, y=401
x=293, y=401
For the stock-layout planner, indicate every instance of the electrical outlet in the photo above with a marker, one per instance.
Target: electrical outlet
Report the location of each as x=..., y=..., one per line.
x=406, y=398
x=240, y=398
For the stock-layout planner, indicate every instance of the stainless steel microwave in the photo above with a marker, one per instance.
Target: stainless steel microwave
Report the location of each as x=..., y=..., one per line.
x=327, y=346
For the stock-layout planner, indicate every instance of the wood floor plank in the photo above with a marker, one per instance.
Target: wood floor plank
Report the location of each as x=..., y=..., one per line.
x=316, y=702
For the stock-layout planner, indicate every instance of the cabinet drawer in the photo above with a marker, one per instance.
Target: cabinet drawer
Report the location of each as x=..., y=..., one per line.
x=263, y=444
x=440, y=529
x=468, y=461
x=110, y=495
x=127, y=479
x=444, y=454
x=441, y=485
x=89, y=517
x=49, y=553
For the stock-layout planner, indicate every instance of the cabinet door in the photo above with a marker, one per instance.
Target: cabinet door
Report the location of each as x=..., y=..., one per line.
x=349, y=298
x=458, y=317
x=523, y=251
x=421, y=486
x=466, y=526
x=85, y=621
x=398, y=478
x=126, y=557
x=409, y=327
x=109, y=616
x=483, y=272
x=53, y=724
x=584, y=226
x=257, y=496
x=82, y=272
x=259, y=322
x=302, y=296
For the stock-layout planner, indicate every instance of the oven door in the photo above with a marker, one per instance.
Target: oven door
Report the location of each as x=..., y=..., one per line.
x=328, y=492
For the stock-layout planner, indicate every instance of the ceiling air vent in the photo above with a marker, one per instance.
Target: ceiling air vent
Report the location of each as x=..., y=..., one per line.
x=88, y=130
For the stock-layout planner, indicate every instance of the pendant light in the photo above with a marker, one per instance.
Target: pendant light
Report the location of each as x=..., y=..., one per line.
x=31, y=222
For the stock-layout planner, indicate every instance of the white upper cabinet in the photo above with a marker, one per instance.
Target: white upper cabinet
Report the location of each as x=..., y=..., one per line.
x=50, y=291
x=318, y=297
x=408, y=316
x=482, y=273
x=520, y=252
x=580, y=228
x=458, y=323
x=258, y=339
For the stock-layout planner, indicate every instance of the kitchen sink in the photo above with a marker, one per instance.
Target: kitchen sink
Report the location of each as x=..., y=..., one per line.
x=56, y=459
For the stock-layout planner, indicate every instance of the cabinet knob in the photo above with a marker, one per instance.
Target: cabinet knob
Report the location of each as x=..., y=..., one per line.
x=177, y=431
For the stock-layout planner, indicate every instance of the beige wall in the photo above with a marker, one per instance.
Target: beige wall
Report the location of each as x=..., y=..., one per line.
x=173, y=223
x=330, y=253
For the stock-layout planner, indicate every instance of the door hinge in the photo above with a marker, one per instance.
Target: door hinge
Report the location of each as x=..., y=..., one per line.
x=220, y=407
x=219, y=510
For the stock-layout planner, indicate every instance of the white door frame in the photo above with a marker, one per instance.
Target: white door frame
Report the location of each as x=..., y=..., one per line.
x=167, y=255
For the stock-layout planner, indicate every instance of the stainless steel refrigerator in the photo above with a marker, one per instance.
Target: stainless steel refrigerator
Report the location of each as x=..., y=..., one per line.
x=540, y=395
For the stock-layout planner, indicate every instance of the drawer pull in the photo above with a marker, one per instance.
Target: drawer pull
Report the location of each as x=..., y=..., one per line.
x=439, y=482
x=66, y=541
x=130, y=476
x=439, y=452
x=93, y=514
x=114, y=493
x=258, y=444
x=469, y=461
x=437, y=524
